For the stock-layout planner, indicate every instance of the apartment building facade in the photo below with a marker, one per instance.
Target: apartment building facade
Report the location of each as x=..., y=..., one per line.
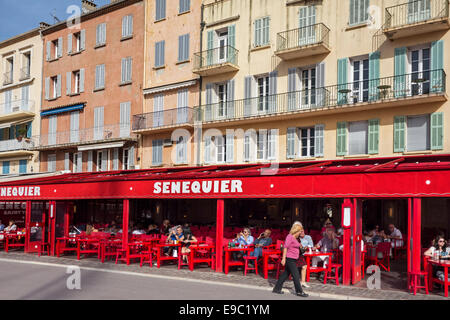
x=92, y=85
x=20, y=101
x=312, y=80
x=166, y=125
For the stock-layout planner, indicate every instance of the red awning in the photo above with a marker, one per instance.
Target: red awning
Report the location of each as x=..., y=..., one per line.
x=421, y=176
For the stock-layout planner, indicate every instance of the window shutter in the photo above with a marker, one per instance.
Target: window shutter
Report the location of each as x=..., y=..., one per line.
x=342, y=80
x=52, y=127
x=253, y=146
x=352, y=18
x=207, y=148
x=290, y=143
x=98, y=35
x=104, y=163
x=129, y=68
x=341, y=147
x=116, y=159
x=208, y=113
x=124, y=26
x=60, y=47
x=163, y=9
x=125, y=109
x=229, y=148
x=437, y=65
x=273, y=91
x=81, y=80
x=374, y=75
x=80, y=162
x=266, y=29
x=186, y=46
x=247, y=96
x=292, y=88
x=97, y=77
x=437, y=131
x=181, y=48
x=399, y=72
x=272, y=144
x=247, y=146
x=69, y=43
x=123, y=72
x=29, y=129
x=162, y=55
x=210, y=48
x=74, y=126
x=374, y=129
x=418, y=133
x=48, y=56
x=319, y=131
x=58, y=86
x=25, y=97
x=103, y=29
x=47, y=88
x=231, y=44
x=66, y=161
x=89, y=168
x=83, y=39
x=321, y=91
x=257, y=33
x=22, y=166
x=399, y=133
x=130, y=25
x=230, y=98
x=68, y=83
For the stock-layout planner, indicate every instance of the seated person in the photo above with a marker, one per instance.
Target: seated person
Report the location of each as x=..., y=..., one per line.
x=139, y=229
x=2, y=226
x=306, y=242
x=187, y=240
x=242, y=239
x=152, y=229
x=395, y=236
x=11, y=227
x=175, y=235
x=165, y=227
x=90, y=228
x=438, y=249
x=376, y=235
x=263, y=240
x=326, y=244
x=327, y=224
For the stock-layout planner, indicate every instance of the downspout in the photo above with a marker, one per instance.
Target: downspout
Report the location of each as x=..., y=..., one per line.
x=42, y=98
x=197, y=128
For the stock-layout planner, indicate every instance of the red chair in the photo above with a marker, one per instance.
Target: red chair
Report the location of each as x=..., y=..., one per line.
x=249, y=258
x=330, y=267
x=181, y=262
x=384, y=248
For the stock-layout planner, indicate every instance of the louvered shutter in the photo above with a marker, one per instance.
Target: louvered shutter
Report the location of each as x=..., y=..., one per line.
x=272, y=144
x=81, y=80
x=66, y=161
x=399, y=133
x=273, y=76
x=125, y=109
x=58, y=86
x=319, y=131
x=321, y=91
x=47, y=88
x=116, y=159
x=82, y=39
x=90, y=156
x=400, y=89
x=230, y=99
x=68, y=83
x=69, y=43
x=60, y=47
x=229, y=148
x=341, y=143
x=48, y=55
x=437, y=131
x=208, y=107
x=374, y=131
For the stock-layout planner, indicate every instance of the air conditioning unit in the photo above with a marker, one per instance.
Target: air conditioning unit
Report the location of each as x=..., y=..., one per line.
x=15, y=108
x=167, y=142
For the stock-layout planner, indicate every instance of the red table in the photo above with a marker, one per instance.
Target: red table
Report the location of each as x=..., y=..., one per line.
x=310, y=269
x=441, y=263
x=208, y=257
x=66, y=241
x=13, y=240
x=132, y=251
x=92, y=245
x=232, y=263
x=160, y=257
x=266, y=254
x=108, y=248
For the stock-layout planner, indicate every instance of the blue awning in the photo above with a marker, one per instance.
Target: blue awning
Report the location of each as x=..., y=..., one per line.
x=62, y=109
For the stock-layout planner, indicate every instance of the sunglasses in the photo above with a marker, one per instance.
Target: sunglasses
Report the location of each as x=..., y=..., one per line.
x=441, y=241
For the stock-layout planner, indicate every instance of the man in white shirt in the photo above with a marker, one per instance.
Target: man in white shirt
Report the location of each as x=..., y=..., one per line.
x=395, y=236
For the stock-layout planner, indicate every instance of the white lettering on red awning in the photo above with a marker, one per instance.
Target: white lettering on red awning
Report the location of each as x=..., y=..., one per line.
x=197, y=187
x=20, y=191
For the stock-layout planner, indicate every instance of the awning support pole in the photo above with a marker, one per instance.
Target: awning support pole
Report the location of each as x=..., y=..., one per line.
x=125, y=219
x=219, y=235
x=346, y=261
x=27, y=225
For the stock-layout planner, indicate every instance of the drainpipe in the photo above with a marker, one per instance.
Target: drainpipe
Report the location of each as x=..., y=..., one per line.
x=198, y=127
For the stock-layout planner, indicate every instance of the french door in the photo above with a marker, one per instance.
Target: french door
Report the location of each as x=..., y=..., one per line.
x=307, y=25
x=420, y=71
x=223, y=47
x=222, y=100
x=360, y=80
x=308, y=88
x=263, y=94
x=418, y=10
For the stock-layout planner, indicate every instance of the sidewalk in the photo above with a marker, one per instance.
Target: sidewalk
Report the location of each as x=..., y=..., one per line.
x=237, y=278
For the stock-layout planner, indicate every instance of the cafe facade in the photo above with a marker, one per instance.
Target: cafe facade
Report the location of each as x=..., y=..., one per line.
x=415, y=180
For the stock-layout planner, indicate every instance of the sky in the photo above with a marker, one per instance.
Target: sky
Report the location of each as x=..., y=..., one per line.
x=19, y=16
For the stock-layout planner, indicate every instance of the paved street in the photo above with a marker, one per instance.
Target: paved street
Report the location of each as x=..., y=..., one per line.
x=35, y=281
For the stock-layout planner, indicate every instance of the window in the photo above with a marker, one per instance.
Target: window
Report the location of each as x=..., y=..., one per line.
x=360, y=80
x=102, y=160
x=418, y=10
x=357, y=137
x=181, y=149
x=99, y=77
x=126, y=70
x=420, y=62
x=100, y=36
x=77, y=162
x=51, y=163
x=307, y=25
x=26, y=65
x=5, y=167
x=23, y=166
x=160, y=10
x=127, y=26
x=125, y=159
x=304, y=142
x=221, y=100
x=55, y=45
x=184, y=6
x=183, y=48
x=266, y=144
x=157, y=149
x=9, y=67
x=263, y=94
x=308, y=87
x=222, y=44
x=76, y=81
x=54, y=81
x=261, y=32
x=98, y=123
x=358, y=11
x=77, y=41
x=159, y=53
x=418, y=133
x=307, y=140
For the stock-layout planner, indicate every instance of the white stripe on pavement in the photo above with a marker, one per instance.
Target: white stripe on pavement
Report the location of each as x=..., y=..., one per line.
x=147, y=275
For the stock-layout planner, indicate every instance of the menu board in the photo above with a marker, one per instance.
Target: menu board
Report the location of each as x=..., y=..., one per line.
x=11, y=210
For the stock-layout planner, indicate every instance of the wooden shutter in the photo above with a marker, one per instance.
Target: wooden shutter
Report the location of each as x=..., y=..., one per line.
x=210, y=48
x=230, y=99
x=48, y=56
x=69, y=43
x=437, y=131
x=321, y=91
x=47, y=88
x=290, y=142
x=116, y=159
x=247, y=96
x=229, y=148
x=341, y=147
x=247, y=139
x=60, y=47
x=58, y=86
x=257, y=35
x=68, y=83
x=272, y=144
x=130, y=25
x=400, y=89
x=82, y=80
x=437, y=65
x=399, y=133
x=273, y=91
x=80, y=162
x=125, y=110
x=231, y=44
x=90, y=155
x=342, y=80
x=319, y=131
x=25, y=97
x=208, y=113
x=83, y=39
x=66, y=161
x=374, y=75
x=207, y=148
x=374, y=132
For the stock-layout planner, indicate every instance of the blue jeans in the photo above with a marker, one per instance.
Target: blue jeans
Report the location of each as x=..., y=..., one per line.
x=257, y=252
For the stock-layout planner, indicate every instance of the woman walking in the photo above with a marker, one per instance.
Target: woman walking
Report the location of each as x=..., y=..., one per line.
x=291, y=253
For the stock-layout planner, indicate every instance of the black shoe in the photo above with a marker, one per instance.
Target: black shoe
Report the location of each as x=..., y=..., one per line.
x=277, y=291
x=302, y=294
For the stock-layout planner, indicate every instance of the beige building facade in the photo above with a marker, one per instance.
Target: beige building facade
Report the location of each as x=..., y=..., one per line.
x=323, y=79
x=20, y=97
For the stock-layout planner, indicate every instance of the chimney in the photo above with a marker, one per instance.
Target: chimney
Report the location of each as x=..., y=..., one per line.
x=43, y=25
x=87, y=6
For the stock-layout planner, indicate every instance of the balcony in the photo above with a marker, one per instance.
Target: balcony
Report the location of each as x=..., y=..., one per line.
x=408, y=89
x=416, y=17
x=14, y=147
x=25, y=73
x=17, y=109
x=161, y=120
x=63, y=139
x=303, y=42
x=7, y=78
x=216, y=61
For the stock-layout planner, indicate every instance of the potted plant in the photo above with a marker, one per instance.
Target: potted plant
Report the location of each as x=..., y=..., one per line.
x=22, y=132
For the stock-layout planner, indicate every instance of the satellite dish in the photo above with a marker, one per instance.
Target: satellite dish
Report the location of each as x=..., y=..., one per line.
x=53, y=15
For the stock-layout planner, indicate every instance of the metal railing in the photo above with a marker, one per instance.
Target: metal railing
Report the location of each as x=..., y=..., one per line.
x=25, y=73
x=7, y=78
x=163, y=118
x=302, y=37
x=106, y=132
x=14, y=144
x=365, y=91
x=414, y=12
x=216, y=56
x=15, y=106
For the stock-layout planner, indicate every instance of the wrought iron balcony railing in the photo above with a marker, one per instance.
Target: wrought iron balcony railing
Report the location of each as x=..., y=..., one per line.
x=216, y=57
x=14, y=145
x=380, y=90
x=302, y=37
x=415, y=11
x=16, y=106
x=95, y=134
x=158, y=119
